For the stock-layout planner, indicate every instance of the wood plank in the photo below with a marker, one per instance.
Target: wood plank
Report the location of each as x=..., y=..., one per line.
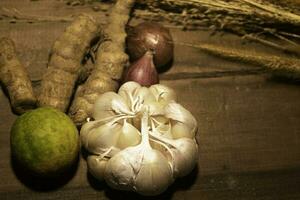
x=246, y=124
x=34, y=42
x=259, y=186
x=42, y=9
x=37, y=38
x=216, y=93
x=249, y=130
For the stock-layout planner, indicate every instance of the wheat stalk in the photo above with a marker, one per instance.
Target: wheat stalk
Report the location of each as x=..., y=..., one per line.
x=242, y=17
x=281, y=65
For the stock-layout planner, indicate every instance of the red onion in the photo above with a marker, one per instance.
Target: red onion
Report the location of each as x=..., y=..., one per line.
x=150, y=36
x=143, y=71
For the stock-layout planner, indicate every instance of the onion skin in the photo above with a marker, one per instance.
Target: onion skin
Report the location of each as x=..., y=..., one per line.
x=150, y=36
x=143, y=71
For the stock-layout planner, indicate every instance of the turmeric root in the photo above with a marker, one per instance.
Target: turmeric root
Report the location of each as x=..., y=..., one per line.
x=15, y=79
x=65, y=62
x=110, y=62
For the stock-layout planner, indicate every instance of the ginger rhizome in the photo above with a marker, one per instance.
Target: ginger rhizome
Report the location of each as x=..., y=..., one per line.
x=110, y=62
x=15, y=79
x=65, y=62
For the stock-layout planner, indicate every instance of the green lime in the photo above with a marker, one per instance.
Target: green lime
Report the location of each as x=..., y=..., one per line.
x=45, y=141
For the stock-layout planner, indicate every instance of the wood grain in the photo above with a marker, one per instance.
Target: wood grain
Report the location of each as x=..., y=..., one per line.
x=249, y=130
x=245, y=123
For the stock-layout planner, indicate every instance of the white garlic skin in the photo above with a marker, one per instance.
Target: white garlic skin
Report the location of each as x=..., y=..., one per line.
x=186, y=156
x=178, y=113
x=154, y=176
x=145, y=171
x=96, y=166
x=108, y=105
x=181, y=153
x=163, y=93
x=100, y=139
x=129, y=136
x=119, y=173
x=180, y=130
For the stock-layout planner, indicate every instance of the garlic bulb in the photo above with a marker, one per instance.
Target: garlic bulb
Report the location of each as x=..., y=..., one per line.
x=141, y=139
x=140, y=168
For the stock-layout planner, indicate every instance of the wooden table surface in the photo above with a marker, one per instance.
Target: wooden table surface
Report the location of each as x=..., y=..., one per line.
x=249, y=122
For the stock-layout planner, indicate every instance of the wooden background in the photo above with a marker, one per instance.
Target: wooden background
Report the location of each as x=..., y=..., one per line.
x=249, y=122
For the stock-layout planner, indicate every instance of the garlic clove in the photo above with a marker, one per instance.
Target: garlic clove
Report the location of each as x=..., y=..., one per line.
x=186, y=156
x=128, y=90
x=145, y=95
x=183, y=152
x=180, y=130
x=163, y=93
x=85, y=131
x=168, y=152
x=96, y=166
x=129, y=136
x=103, y=138
x=129, y=87
x=154, y=175
x=165, y=130
x=142, y=98
x=155, y=108
x=121, y=169
x=110, y=104
x=160, y=119
x=176, y=112
x=137, y=96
